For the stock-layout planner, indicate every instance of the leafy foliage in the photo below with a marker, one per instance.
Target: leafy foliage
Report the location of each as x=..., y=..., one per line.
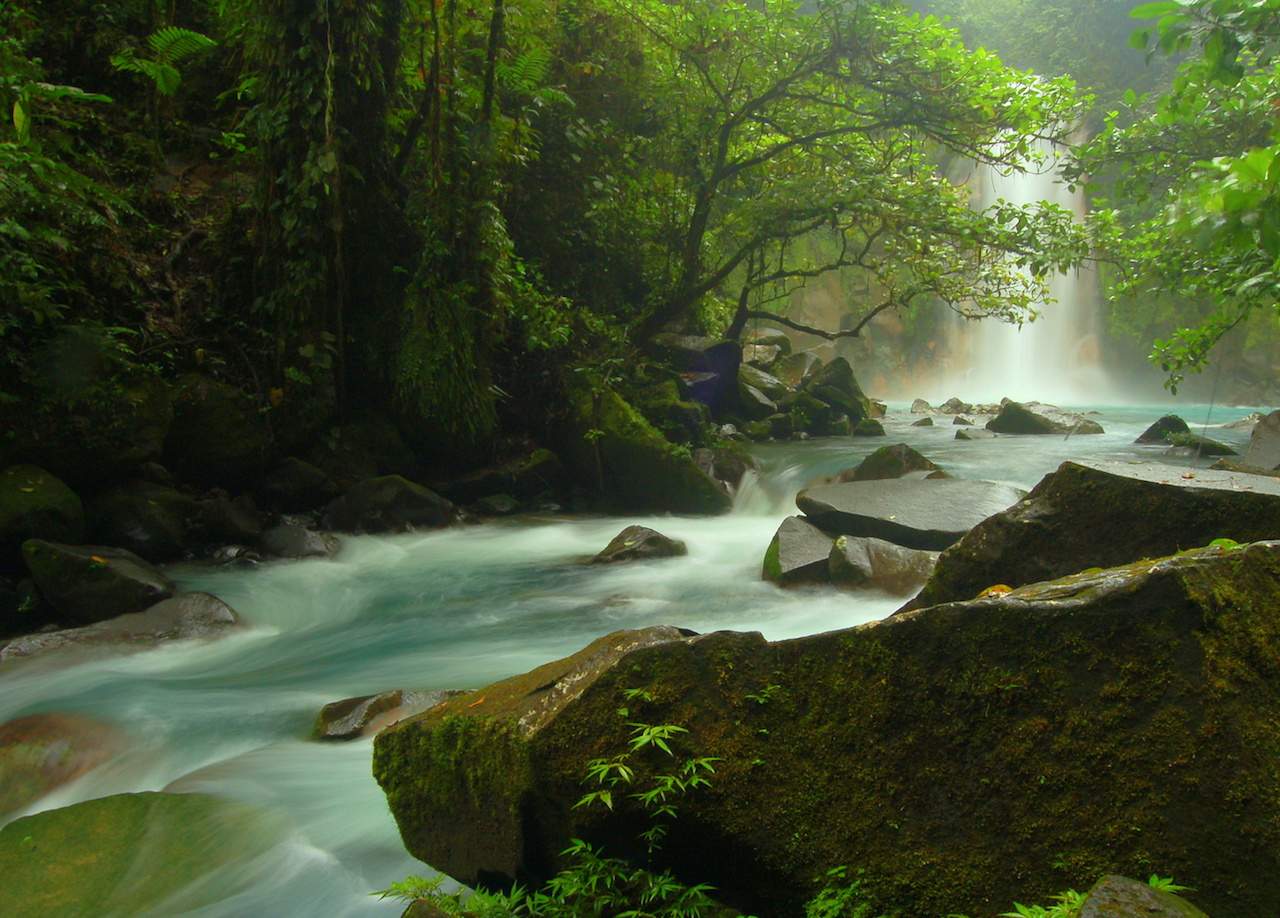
x=169, y=47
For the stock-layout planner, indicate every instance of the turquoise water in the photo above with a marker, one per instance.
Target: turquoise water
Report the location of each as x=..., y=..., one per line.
x=456, y=609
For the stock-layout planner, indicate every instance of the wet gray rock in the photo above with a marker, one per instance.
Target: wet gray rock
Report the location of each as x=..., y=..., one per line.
x=185, y=616
x=874, y=564
x=920, y=406
x=1120, y=897
x=639, y=543
x=1017, y=418
x=760, y=355
x=89, y=583
x=755, y=405
x=798, y=554
x=387, y=504
x=961, y=421
x=975, y=433
x=927, y=515
x=353, y=718
x=770, y=385
x=797, y=369
x=154, y=521
x=1197, y=445
x=869, y=427
x=1264, y=446
x=1159, y=431
x=291, y=540
x=955, y=406
x=923, y=422
x=1091, y=514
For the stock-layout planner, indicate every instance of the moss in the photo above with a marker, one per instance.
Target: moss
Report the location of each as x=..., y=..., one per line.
x=772, y=567
x=218, y=436
x=35, y=504
x=642, y=469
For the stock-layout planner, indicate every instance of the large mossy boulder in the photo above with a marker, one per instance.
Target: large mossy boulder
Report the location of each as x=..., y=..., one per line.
x=35, y=505
x=609, y=446
x=132, y=854
x=218, y=435
x=1200, y=446
x=184, y=617
x=1120, y=897
x=1160, y=431
x=663, y=405
x=929, y=515
x=798, y=554
x=41, y=752
x=835, y=384
x=540, y=472
x=295, y=485
x=90, y=583
x=889, y=462
x=1101, y=514
x=1103, y=723
x=388, y=504
x=352, y=718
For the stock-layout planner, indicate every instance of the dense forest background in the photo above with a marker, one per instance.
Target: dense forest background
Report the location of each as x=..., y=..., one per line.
x=434, y=228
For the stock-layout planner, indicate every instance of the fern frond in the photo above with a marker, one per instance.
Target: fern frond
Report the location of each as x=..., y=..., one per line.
x=173, y=44
x=527, y=72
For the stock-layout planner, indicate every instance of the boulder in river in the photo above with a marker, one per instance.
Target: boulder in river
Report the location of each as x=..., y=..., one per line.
x=961, y=421
x=1126, y=717
x=796, y=370
x=525, y=478
x=609, y=446
x=1200, y=446
x=90, y=583
x=353, y=718
x=1017, y=418
x=186, y=616
x=35, y=505
x=1264, y=445
x=874, y=564
x=889, y=462
x=928, y=515
x=920, y=406
x=975, y=433
x=41, y=752
x=640, y=543
x=1159, y=431
x=291, y=540
x=1091, y=514
x=798, y=554
x=388, y=504
x=954, y=405
x=868, y=427
x=1120, y=897
x=923, y=422
x=835, y=384
x=132, y=854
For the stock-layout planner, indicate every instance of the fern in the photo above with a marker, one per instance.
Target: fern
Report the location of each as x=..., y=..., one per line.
x=527, y=72
x=169, y=47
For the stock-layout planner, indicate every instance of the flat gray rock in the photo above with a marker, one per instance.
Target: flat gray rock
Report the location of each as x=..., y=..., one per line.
x=930, y=515
x=1264, y=447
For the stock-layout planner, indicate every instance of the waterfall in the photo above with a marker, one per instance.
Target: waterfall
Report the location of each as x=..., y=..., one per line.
x=1056, y=358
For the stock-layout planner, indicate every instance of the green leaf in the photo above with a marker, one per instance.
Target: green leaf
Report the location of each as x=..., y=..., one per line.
x=1155, y=10
x=21, y=122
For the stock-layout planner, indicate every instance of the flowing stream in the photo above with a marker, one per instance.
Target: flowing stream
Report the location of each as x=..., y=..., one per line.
x=451, y=609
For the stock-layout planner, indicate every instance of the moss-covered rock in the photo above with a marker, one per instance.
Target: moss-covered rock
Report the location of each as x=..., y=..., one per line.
x=889, y=462
x=797, y=369
x=814, y=416
x=218, y=435
x=1100, y=514
x=388, y=504
x=797, y=555
x=131, y=854
x=962, y=755
x=90, y=583
x=1120, y=897
x=1201, y=446
x=35, y=505
x=680, y=420
x=1017, y=418
x=295, y=485
x=835, y=384
x=868, y=427
x=157, y=522
x=367, y=447
x=540, y=472
x=608, y=445
x=1159, y=431
x=41, y=752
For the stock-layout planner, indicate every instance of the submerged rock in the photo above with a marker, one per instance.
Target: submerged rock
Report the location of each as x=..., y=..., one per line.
x=923, y=422
x=875, y=564
x=186, y=616
x=889, y=462
x=1120, y=897
x=798, y=554
x=975, y=433
x=1100, y=514
x=928, y=515
x=388, y=504
x=88, y=583
x=1159, y=431
x=35, y=505
x=42, y=752
x=868, y=427
x=353, y=718
x=1132, y=710
x=1200, y=446
x=639, y=543
x=132, y=854
x=1017, y=418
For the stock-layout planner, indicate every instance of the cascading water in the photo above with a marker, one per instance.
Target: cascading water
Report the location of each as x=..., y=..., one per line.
x=1056, y=358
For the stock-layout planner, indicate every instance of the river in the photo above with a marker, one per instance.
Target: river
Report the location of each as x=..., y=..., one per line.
x=454, y=609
